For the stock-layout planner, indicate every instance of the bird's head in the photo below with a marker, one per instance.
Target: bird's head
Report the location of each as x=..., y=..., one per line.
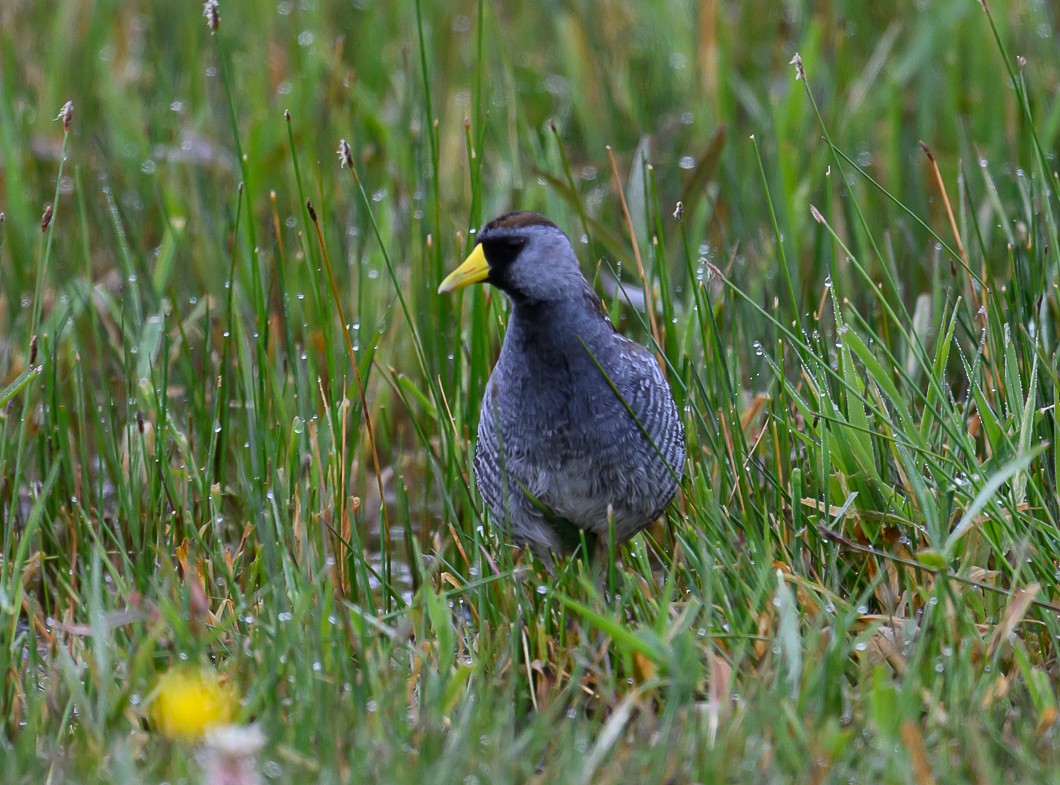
x=524, y=255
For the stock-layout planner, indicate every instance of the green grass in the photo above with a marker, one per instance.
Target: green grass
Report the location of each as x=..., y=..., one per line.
x=200, y=462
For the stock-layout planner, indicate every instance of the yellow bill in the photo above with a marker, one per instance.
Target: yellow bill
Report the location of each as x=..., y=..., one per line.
x=474, y=269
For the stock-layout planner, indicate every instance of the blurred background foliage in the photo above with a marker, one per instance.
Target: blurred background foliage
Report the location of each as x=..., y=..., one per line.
x=185, y=452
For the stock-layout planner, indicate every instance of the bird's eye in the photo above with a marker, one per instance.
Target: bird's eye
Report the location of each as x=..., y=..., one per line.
x=513, y=244
x=502, y=251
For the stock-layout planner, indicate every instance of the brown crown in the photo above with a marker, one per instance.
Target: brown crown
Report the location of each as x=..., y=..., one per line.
x=517, y=220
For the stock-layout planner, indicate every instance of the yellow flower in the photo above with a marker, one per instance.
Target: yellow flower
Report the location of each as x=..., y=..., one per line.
x=188, y=702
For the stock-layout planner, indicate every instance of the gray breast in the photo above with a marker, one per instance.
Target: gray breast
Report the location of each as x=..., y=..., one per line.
x=576, y=435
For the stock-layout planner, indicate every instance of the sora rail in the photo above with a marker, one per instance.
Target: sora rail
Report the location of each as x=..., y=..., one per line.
x=578, y=430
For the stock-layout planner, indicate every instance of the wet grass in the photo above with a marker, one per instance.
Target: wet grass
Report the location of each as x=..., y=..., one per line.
x=236, y=432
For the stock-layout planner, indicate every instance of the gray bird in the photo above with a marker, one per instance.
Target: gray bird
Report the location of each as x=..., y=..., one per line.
x=578, y=426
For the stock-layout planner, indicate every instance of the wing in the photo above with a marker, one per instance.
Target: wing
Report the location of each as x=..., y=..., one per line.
x=652, y=407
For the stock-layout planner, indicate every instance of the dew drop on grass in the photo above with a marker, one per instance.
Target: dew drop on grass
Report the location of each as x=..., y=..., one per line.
x=828, y=282
x=687, y=162
x=271, y=769
x=542, y=590
x=284, y=616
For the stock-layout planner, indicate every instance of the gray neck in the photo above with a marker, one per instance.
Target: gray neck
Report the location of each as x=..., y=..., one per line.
x=558, y=325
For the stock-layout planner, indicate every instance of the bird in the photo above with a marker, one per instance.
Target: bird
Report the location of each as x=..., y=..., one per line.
x=579, y=438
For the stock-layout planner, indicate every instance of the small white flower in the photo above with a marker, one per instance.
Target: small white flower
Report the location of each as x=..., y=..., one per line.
x=211, y=9
x=345, y=156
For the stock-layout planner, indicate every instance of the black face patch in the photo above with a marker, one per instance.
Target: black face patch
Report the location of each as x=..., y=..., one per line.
x=501, y=250
x=503, y=240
